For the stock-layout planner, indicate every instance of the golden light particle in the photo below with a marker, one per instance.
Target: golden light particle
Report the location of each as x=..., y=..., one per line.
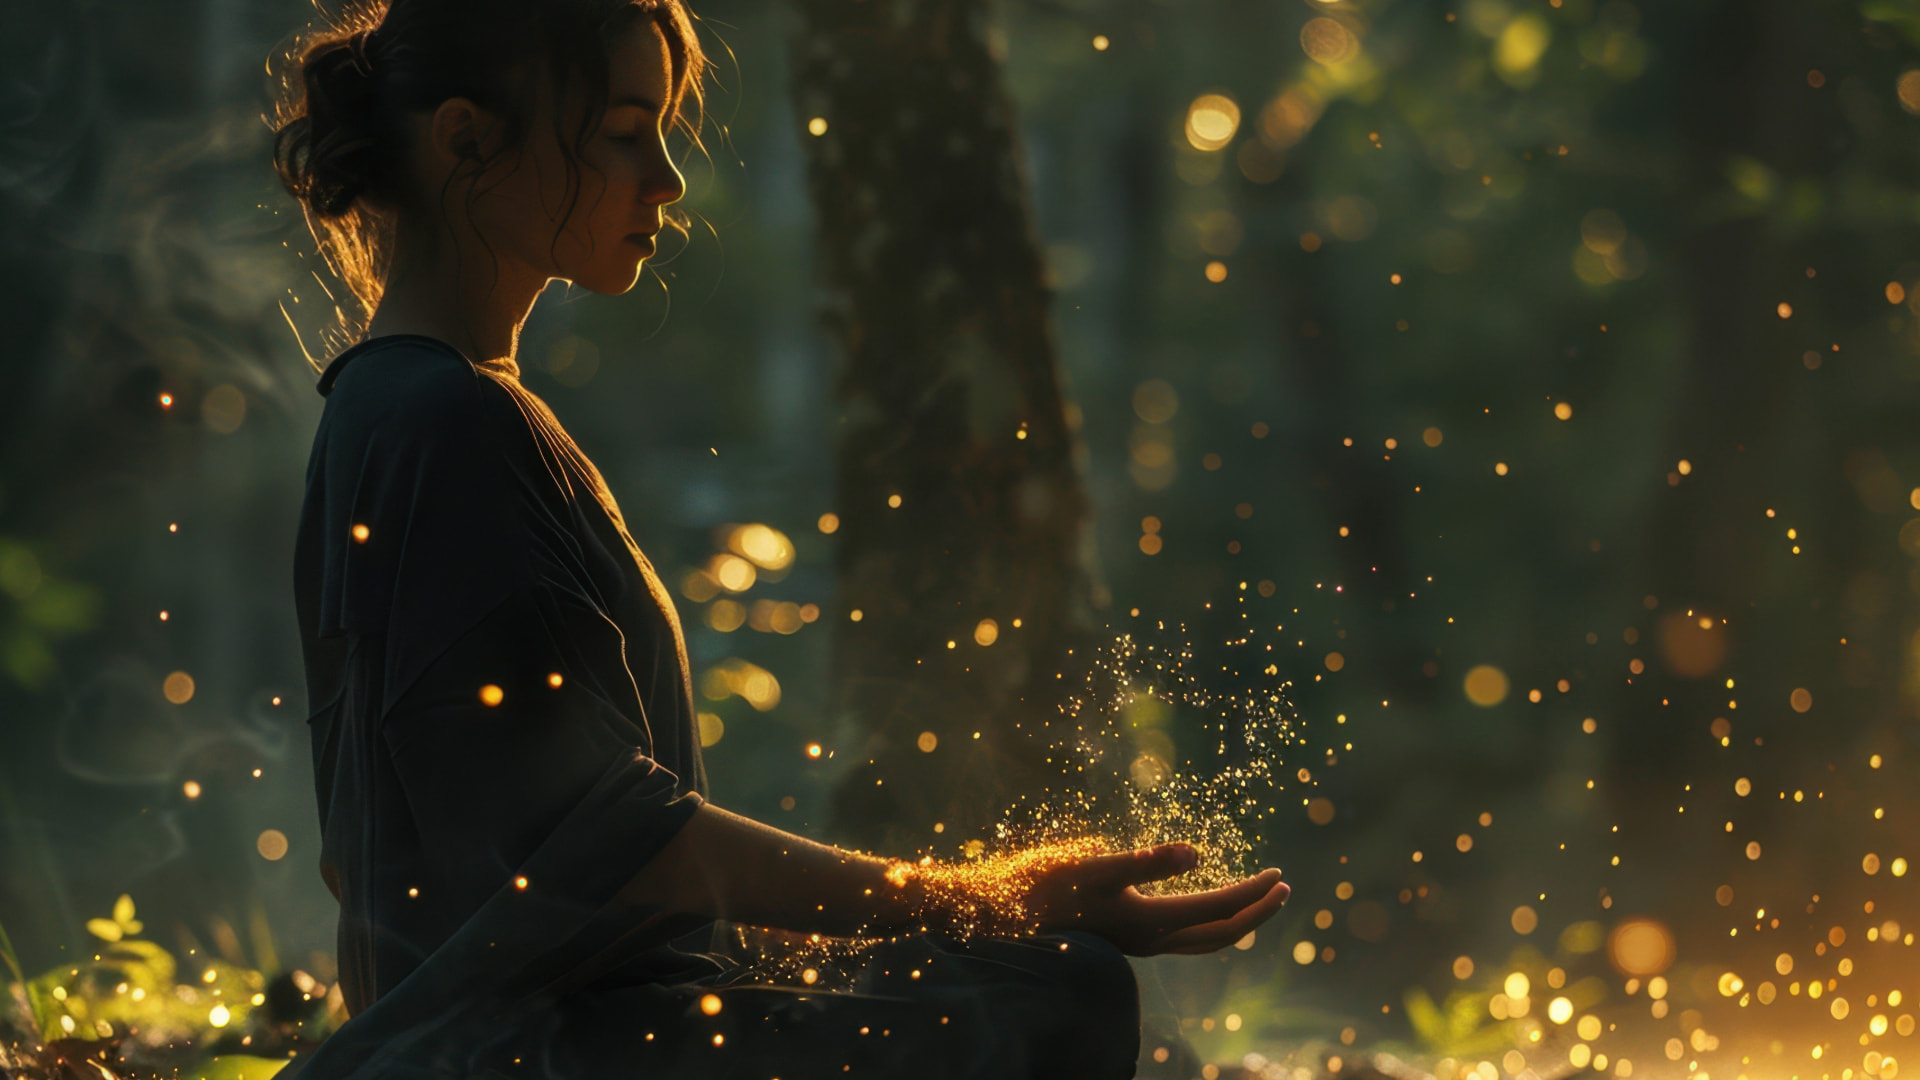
x=1216, y=271
x=166, y=401
x=726, y=616
x=1463, y=843
x=893, y=501
x=554, y=679
x=1899, y=868
x=1753, y=850
x=1908, y=90
x=856, y=615
x=272, y=845
x=1870, y=864
x=986, y=632
x=1326, y=41
x=712, y=728
x=734, y=573
x=1560, y=1010
x=1896, y=293
x=491, y=695
x=1801, y=700
x=1463, y=967
x=762, y=545
x=1525, y=920
x=710, y=1004
x=361, y=533
x=1743, y=787
x=218, y=1016
x=1641, y=947
x=813, y=750
x=191, y=788
x=1500, y=468
x=178, y=688
x=1212, y=121
x=1486, y=685
x=1100, y=43
x=520, y=883
x=1784, y=310
x=927, y=742
x=809, y=976
x=1563, y=411
x=1150, y=544
x=224, y=409
x=719, y=1039
x=817, y=126
x=1589, y=725
x=1335, y=661
x=1304, y=952
x=1320, y=811
x=828, y=524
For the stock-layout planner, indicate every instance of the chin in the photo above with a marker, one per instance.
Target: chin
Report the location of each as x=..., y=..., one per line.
x=613, y=281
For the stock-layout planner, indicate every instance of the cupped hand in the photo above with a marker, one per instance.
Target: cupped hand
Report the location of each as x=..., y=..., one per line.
x=1097, y=893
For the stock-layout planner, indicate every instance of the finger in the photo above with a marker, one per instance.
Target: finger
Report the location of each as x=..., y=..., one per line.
x=1137, y=866
x=1207, y=937
x=1210, y=906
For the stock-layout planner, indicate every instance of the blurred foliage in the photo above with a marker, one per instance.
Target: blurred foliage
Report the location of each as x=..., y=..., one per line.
x=213, y=1021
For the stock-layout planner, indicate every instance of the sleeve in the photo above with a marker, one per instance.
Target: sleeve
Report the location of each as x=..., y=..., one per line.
x=507, y=731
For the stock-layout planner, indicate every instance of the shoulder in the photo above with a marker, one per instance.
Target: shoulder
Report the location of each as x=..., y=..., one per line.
x=406, y=389
x=401, y=373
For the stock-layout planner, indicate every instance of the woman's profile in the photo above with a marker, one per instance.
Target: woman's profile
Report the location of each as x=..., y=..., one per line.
x=510, y=786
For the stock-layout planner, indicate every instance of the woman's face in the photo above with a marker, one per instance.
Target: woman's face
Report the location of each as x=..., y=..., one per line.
x=624, y=174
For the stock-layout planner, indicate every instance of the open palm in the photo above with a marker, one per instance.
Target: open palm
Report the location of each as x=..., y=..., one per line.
x=1097, y=894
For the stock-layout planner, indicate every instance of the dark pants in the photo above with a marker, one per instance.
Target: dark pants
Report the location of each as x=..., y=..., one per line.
x=1056, y=1006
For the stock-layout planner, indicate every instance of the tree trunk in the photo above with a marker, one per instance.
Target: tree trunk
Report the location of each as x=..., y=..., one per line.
x=959, y=498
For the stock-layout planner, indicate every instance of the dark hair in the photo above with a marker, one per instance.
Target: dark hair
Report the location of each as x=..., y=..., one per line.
x=337, y=132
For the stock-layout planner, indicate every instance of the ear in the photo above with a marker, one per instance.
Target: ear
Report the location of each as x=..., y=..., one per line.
x=462, y=132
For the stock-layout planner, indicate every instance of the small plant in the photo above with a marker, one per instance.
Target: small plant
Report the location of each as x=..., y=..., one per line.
x=132, y=1010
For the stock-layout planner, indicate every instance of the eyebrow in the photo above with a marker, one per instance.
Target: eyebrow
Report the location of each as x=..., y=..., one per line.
x=644, y=103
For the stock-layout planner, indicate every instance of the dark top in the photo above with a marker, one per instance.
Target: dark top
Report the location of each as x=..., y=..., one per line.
x=502, y=718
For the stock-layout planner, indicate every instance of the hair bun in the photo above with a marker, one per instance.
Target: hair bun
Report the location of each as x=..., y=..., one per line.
x=332, y=160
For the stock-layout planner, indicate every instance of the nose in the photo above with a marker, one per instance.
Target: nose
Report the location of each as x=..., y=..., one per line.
x=663, y=183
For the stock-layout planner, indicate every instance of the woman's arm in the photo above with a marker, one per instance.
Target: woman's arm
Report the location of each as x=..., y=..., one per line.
x=725, y=866
x=722, y=865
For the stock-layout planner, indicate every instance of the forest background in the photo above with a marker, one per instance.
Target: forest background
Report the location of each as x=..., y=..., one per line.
x=1539, y=366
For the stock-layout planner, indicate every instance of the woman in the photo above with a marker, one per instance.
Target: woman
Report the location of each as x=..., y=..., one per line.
x=509, y=782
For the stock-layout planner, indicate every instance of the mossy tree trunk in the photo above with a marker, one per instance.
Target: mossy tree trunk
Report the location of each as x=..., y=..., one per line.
x=959, y=497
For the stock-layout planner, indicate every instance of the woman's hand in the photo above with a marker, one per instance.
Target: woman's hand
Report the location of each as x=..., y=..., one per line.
x=1097, y=894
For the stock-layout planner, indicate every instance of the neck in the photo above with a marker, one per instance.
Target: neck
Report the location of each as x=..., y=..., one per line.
x=447, y=286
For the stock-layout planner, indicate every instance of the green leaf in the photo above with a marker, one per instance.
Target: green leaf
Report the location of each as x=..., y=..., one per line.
x=105, y=929
x=123, y=909
x=234, y=1067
